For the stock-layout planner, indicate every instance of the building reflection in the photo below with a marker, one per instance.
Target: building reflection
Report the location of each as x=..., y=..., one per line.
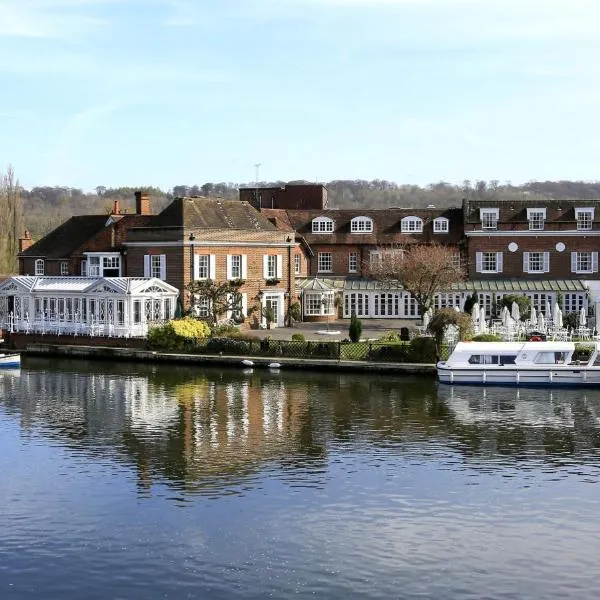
x=212, y=431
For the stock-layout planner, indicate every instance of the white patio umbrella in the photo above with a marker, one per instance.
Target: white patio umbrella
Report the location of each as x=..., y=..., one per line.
x=457, y=308
x=558, y=317
x=426, y=320
x=555, y=311
x=504, y=316
x=541, y=322
x=515, y=313
x=475, y=313
x=533, y=316
x=482, y=324
x=597, y=315
x=548, y=309
x=582, y=318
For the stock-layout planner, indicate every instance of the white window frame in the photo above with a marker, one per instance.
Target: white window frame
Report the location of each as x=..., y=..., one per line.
x=411, y=225
x=325, y=262
x=64, y=268
x=584, y=218
x=536, y=222
x=489, y=218
x=39, y=266
x=237, y=266
x=96, y=262
x=353, y=262
x=482, y=260
x=441, y=225
x=297, y=264
x=577, y=262
x=323, y=225
x=361, y=225
x=272, y=266
x=544, y=262
x=202, y=270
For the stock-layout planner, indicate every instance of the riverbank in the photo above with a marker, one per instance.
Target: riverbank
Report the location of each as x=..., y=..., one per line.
x=130, y=354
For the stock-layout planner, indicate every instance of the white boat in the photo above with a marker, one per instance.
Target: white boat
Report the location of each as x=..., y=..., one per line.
x=10, y=361
x=519, y=363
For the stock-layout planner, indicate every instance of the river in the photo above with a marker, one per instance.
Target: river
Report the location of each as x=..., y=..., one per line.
x=121, y=481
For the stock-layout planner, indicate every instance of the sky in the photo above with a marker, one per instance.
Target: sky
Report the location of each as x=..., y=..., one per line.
x=173, y=92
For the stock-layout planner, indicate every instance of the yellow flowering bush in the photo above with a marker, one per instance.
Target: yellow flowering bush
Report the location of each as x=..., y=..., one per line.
x=178, y=334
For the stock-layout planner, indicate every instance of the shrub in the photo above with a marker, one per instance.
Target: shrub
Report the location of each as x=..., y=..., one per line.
x=422, y=350
x=224, y=330
x=487, y=337
x=227, y=345
x=295, y=311
x=445, y=317
x=178, y=334
x=583, y=352
x=298, y=337
x=355, y=329
x=571, y=320
x=391, y=336
x=394, y=352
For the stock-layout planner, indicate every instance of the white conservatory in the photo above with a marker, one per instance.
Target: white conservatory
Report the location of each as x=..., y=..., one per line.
x=94, y=306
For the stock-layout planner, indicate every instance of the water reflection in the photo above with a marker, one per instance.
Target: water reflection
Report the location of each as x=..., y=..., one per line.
x=212, y=431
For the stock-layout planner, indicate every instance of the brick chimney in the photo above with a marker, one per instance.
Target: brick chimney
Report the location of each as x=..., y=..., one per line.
x=116, y=208
x=25, y=242
x=142, y=203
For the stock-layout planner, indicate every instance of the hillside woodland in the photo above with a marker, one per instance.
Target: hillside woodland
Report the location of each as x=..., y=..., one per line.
x=41, y=209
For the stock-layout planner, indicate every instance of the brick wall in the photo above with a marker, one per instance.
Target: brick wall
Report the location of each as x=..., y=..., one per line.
x=20, y=341
x=560, y=262
x=340, y=259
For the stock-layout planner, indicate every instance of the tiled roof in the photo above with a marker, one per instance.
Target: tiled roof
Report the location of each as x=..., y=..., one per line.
x=386, y=226
x=515, y=211
x=212, y=213
x=66, y=238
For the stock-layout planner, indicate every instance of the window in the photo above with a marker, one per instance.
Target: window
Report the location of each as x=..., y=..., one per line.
x=93, y=267
x=202, y=260
x=322, y=225
x=361, y=225
x=584, y=262
x=573, y=303
x=536, y=218
x=488, y=262
x=84, y=268
x=111, y=266
x=356, y=303
x=489, y=218
x=271, y=266
x=353, y=262
x=203, y=306
x=64, y=268
x=536, y=262
x=312, y=304
x=39, y=266
x=392, y=257
x=155, y=265
x=411, y=308
x=98, y=265
x=457, y=260
x=386, y=305
x=297, y=264
x=411, y=225
x=234, y=266
x=325, y=262
x=584, y=218
x=441, y=225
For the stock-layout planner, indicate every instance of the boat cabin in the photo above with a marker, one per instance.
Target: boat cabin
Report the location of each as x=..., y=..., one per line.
x=516, y=353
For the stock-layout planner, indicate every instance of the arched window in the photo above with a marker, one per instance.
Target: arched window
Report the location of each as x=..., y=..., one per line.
x=39, y=266
x=361, y=225
x=441, y=225
x=411, y=225
x=322, y=225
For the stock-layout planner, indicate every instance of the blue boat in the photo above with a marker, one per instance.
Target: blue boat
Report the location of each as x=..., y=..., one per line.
x=10, y=361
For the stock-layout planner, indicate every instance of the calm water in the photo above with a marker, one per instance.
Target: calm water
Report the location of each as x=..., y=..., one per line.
x=129, y=481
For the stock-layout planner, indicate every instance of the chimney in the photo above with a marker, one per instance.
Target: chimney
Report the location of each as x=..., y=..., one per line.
x=116, y=208
x=142, y=203
x=25, y=242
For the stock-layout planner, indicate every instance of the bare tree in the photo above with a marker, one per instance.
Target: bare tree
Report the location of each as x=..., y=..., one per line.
x=421, y=269
x=11, y=221
x=220, y=297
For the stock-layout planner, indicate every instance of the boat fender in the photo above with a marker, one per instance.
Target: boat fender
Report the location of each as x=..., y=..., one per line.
x=535, y=338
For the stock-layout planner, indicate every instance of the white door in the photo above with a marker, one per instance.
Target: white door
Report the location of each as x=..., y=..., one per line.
x=275, y=302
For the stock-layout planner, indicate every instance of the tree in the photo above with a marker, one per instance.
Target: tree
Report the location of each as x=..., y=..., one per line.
x=221, y=297
x=355, y=329
x=11, y=221
x=421, y=269
x=445, y=317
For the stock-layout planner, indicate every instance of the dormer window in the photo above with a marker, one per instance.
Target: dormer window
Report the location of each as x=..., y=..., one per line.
x=39, y=266
x=361, y=225
x=411, y=225
x=489, y=218
x=584, y=218
x=441, y=225
x=536, y=218
x=322, y=225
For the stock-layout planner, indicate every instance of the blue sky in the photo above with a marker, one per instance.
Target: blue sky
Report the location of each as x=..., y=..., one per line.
x=167, y=92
